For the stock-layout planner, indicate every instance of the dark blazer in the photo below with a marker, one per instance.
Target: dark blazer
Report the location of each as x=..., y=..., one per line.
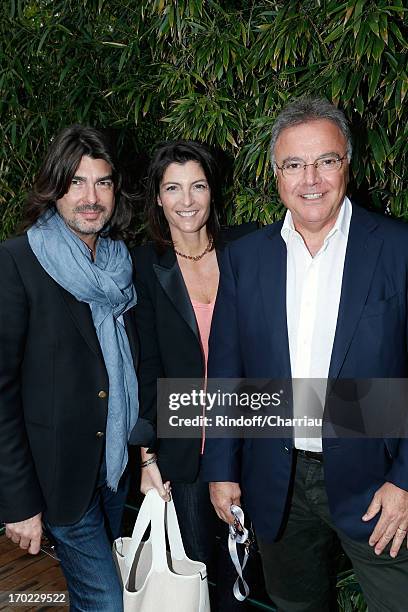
x=53, y=393
x=249, y=338
x=169, y=347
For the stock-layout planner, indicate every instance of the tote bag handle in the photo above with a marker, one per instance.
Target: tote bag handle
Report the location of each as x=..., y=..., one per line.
x=151, y=511
x=173, y=532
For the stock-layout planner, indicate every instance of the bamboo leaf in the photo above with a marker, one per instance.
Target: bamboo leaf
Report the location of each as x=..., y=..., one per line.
x=338, y=83
x=384, y=27
x=378, y=48
x=353, y=84
x=335, y=34
x=146, y=105
x=225, y=56
x=349, y=12
x=110, y=43
x=361, y=41
x=373, y=79
x=359, y=105
x=377, y=146
x=404, y=88
x=397, y=33
x=359, y=8
x=372, y=21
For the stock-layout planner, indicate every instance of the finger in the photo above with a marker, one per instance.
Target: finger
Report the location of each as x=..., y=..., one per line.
x=380, y=529
x=399, y=537
x=225, y=516
x=35, y=546
x=228, y=517
x=164, y=492
x=167, y=486
x=385, y=539
x=372, y=510
x=223, y=512
x=25, y=543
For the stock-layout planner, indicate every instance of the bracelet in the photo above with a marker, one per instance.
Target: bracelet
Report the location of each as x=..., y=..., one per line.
x=148, y=462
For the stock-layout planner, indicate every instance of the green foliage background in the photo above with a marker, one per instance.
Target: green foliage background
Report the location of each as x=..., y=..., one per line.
x=214, y=71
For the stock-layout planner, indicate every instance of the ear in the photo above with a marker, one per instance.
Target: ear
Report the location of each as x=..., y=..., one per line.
x=159, y=201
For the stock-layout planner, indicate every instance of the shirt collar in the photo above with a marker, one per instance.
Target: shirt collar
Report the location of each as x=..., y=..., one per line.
x=342, y=224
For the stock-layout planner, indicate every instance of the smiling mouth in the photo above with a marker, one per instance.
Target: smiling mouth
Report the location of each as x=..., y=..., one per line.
x=187, y=213
x=311, y=196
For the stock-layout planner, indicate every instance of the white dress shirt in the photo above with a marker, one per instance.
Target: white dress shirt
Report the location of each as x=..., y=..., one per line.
x=313, y=289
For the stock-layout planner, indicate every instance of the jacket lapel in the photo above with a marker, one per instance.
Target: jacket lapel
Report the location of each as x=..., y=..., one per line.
x=82, y=317
x=363, y=249
x=273, y=289
x=171, y=280
x=130, y=326
x=81, y=314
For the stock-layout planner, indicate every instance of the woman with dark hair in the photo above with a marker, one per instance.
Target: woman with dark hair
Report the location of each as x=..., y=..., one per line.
x=176, y=278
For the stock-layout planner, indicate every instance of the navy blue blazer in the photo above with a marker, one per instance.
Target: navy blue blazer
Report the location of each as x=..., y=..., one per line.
x=249, y=339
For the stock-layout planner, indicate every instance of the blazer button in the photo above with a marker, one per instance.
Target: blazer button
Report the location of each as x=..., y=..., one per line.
x=99, y=434
x=102, y=394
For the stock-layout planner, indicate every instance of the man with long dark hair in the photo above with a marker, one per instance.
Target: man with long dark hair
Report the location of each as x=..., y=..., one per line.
x=68, y=388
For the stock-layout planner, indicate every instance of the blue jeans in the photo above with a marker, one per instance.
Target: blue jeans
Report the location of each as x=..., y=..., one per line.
x=85, y=552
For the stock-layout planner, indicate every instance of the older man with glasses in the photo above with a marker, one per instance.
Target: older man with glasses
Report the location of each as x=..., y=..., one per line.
x=321, y=295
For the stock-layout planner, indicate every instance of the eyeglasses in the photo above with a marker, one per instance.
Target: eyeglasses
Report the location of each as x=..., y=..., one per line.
x=324, y=165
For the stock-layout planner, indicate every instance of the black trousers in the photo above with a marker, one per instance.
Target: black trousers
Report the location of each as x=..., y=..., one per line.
x=300, y=568
x=205, y=539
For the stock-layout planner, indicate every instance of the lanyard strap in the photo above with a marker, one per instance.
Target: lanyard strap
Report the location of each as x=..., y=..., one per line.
x=238, y=534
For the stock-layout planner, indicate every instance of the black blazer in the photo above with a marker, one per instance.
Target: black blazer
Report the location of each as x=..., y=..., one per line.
x=53, y=393
x=170, y=347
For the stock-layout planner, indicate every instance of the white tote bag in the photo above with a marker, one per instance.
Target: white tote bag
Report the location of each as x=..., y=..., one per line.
x=152, y=578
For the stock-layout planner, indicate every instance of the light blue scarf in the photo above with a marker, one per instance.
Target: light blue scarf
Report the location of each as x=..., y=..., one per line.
x=106, y=285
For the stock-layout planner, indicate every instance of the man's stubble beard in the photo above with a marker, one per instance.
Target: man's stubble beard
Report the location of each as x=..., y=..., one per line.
x=87, y=228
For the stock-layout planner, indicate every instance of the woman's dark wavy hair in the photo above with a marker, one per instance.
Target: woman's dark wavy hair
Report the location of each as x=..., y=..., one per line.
x=61, y=162
x=180, y=152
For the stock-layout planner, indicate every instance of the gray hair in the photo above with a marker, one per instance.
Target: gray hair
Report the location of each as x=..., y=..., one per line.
x=304, y=110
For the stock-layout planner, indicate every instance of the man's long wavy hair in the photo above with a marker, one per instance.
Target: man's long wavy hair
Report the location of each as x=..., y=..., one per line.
x=59, y=167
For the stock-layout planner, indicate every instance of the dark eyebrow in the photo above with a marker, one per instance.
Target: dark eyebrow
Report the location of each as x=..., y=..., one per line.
x=201, y=180
x=108, y=177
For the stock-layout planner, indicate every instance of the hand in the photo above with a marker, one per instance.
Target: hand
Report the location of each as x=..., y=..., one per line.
x=26, y=533
x=223, y=495
x=393, y=522
x=151, y=479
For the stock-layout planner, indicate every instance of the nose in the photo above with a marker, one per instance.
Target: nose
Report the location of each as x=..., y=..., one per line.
x=311, y=175
x=187, y=198
x=91, y=195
